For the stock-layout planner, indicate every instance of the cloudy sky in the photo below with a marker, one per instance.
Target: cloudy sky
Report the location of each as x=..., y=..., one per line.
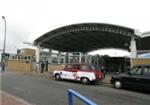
x=29, y=19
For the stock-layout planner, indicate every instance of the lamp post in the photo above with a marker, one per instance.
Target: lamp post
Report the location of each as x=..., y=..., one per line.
x=4, y=47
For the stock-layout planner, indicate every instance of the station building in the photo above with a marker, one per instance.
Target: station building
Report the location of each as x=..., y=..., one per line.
x=73, y=42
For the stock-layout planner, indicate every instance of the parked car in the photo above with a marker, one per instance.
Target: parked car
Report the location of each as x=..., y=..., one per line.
x=138, y=77
x=85, y=73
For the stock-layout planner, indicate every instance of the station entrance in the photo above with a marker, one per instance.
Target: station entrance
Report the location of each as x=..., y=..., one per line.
x=103, y=63
x=111, y=64
x=87, y=37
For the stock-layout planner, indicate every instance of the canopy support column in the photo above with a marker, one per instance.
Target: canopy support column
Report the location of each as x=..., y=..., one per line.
x=64, y=59
x=133, y=48
x=68, y=58
x=38, y=50
x=50, y=56
x=59, y=57
x=80, y=57
x=85, y=58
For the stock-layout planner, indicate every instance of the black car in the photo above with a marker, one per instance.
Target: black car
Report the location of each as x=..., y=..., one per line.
x=138, y=77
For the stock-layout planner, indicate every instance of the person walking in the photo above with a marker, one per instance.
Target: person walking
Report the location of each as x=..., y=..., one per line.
x=42, y=67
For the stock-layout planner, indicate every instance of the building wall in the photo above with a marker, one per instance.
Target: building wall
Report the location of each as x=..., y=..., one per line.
x=22, y=61
x=19, y=66
x=140, y=61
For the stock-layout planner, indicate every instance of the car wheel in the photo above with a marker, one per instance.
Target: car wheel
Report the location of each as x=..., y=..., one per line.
x=85, y=81
x=57, y=77
x=117, y=84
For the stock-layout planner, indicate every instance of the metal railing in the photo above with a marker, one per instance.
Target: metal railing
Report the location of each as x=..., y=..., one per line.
x=72, y=93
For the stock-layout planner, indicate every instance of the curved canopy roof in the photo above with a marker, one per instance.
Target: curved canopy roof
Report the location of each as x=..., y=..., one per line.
x=86, y=37
x=144, y=42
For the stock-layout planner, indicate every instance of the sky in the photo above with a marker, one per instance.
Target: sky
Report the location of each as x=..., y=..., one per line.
x=29, y=19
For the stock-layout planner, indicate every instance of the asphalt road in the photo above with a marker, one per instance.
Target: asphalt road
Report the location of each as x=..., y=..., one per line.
x=41, y=90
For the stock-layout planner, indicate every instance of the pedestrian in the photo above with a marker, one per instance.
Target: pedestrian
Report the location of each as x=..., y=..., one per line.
x=42, y=67
x=3, y=66
x=103, y=70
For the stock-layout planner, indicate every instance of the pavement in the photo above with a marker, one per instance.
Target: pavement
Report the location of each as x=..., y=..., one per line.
x=107, y=78
x=8, y=99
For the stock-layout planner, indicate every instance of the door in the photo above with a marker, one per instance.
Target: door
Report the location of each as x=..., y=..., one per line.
x=69, y=72
x=145, y=78
x=134, y=78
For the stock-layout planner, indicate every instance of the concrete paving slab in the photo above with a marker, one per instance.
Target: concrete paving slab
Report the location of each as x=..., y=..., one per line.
x=8, y=99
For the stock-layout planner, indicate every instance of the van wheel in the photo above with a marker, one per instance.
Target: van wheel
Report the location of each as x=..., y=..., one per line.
x=57, y=77
x=117, y=84
x=85, y=81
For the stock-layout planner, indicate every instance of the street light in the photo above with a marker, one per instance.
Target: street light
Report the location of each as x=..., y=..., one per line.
x=4, y=47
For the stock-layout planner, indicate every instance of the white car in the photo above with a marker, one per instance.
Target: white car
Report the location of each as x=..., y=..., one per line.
x=79, y=72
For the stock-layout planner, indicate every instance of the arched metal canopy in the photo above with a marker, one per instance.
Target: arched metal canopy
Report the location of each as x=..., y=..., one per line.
x=144, y=42
x=86, y=37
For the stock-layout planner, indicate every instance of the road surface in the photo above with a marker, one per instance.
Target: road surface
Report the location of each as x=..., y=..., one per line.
x=40, y=90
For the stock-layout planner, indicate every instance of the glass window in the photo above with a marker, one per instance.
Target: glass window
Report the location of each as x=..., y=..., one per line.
x=77, y=66
x=13, y=57
x=18, y=57
x=92, y=67
x=21, y=57
x=137, y=70
x=29, y=57
x=146, y=70
x=85, y=67
x=25, y=57
x=69, y=67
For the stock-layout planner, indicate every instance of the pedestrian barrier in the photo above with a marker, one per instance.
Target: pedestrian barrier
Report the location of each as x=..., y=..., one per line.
x=72, y=93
